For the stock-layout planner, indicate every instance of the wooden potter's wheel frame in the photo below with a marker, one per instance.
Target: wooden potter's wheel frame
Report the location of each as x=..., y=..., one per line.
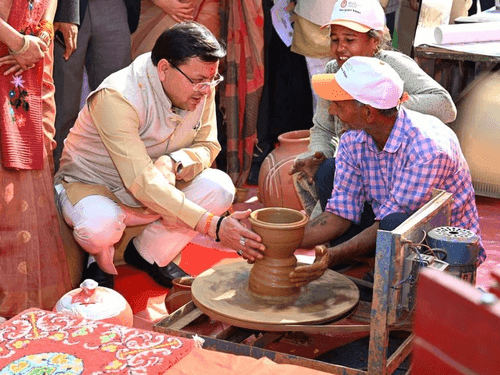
x=222, y=293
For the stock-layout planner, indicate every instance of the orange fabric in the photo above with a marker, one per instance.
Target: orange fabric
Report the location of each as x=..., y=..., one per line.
x=21, y=107
x=241, y=90
x=49, y=106
x=33, y=265
x=217, y=363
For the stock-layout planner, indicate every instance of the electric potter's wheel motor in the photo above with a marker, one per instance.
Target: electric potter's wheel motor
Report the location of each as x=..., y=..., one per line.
x=461, y=247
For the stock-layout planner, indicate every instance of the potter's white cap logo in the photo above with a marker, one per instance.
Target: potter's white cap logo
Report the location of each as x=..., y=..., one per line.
x=351, y=5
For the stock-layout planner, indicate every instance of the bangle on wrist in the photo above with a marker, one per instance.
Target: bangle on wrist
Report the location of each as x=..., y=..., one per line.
x=208, y=222
x=217, y=239
x=45, y=37
x=46, y=26
x=46, y=31
x=24, y=48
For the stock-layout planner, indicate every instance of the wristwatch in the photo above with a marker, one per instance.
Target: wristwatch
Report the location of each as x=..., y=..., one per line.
x=177, y=165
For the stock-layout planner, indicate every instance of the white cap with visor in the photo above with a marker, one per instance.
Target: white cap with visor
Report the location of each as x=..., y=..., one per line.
x=358, y=15
x=365, y=79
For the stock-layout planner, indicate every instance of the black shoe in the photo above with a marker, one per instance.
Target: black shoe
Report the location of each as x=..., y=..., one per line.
x=95, y=273
x=161, y=275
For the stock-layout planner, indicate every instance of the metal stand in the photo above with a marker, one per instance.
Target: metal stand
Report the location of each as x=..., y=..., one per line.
x=391, y=252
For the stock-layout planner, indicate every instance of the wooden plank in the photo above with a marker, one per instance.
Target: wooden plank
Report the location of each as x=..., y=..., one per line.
x=398, y=253
x=240, y=334
x=442, y=53
x=186, y=319
x=267, y=338
x=179, y=313
x=227, y=333
x=379, y=336
x=400, y=354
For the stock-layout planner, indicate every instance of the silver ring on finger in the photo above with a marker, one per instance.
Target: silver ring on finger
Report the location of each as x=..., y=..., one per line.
x=243, y=241
x=240, y=253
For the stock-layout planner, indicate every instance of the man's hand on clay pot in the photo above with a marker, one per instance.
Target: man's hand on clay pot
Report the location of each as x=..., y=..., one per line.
x=303, y=275
x=233, y=233
x=307, y=167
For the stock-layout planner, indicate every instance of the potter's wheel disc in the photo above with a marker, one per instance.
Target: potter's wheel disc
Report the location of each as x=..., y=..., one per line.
x=221, y=293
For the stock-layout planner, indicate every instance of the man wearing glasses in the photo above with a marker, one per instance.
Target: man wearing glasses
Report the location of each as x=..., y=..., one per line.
x=140, y=153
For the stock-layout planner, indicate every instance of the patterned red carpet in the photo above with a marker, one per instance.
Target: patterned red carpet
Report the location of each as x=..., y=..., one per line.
x=42, y=342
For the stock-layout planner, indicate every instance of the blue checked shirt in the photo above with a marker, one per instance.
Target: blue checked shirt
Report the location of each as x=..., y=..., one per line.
x=421, y=154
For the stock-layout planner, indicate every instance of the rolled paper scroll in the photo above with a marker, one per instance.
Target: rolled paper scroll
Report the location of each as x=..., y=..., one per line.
x=467, y=33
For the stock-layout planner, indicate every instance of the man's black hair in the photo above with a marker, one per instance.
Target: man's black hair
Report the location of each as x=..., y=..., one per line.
x=384, y=112
x=186, y=40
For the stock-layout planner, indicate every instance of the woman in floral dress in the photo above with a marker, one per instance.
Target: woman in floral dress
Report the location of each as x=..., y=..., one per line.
x=33, y=266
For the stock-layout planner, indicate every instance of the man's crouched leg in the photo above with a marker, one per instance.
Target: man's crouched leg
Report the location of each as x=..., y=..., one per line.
x=98, y=223
x=155, y=248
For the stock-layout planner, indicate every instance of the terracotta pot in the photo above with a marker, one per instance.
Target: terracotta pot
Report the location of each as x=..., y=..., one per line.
x=91, y=301
x=281, y=230
x=276, y=187
x=179, y=294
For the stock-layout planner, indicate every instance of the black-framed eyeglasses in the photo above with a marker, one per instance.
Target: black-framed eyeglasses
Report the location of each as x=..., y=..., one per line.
x=202, y=85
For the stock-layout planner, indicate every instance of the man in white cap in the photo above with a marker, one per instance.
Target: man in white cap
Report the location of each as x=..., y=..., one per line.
x=388, y=163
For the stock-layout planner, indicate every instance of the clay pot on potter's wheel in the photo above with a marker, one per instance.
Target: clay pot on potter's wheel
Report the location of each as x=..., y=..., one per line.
x=276, y=187
x=281, y=230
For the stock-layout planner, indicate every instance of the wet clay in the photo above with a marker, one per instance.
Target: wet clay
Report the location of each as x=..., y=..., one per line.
x=222, y=293
x=281, y=230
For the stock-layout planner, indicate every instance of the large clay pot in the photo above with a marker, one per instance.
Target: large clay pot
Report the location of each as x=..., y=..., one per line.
x=91, y=301
x=276, y=187
x=281, y=230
